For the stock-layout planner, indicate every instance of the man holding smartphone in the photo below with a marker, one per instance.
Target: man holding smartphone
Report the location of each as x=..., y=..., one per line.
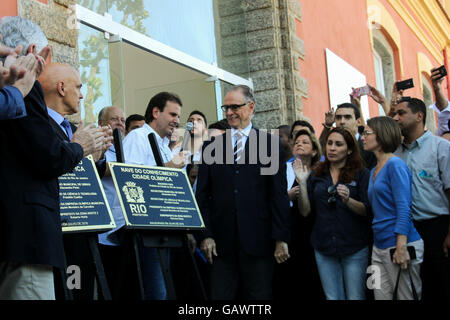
x=442, y=105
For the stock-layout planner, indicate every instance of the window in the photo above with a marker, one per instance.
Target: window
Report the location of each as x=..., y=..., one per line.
x=384, y=64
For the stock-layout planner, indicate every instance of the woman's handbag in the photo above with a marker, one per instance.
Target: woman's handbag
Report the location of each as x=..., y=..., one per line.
x=394, y=296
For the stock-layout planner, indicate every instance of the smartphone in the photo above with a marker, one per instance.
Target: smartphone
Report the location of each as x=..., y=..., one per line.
x=442, y=72
x=411, y=250
x=405, y=84
x=362, y=91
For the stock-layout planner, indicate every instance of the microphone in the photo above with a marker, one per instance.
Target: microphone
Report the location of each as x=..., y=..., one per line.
x=187, y=133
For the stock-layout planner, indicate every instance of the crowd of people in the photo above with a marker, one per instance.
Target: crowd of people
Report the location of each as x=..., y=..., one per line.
x=365, y=193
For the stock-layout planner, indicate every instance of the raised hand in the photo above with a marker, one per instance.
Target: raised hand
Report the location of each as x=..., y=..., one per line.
x=90, y=138
x=27, y=69
x=329, y=118
x=301, y=171
x=376, y=95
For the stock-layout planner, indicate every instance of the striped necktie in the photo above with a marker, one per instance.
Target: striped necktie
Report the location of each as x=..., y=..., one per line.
x=239, y=146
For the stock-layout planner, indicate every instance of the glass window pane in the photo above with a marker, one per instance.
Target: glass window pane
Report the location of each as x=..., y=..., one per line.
x=94, y=72
x=99, y=6
x=185, y=25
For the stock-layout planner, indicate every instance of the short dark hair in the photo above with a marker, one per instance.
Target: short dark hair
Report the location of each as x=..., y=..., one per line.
x=416, y=105
x=284, y=129
x=220, y=125
x=387, y=131
x=133, y=117
x=302, y=123
x=350, y=106
x=200, y=114
x=159, y=101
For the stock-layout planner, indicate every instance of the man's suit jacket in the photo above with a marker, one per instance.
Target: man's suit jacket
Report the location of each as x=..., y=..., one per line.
x=237, y=198
x=59, y=131
x=32, y=158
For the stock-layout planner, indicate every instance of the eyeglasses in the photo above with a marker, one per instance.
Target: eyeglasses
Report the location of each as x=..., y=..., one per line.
x=332, y=193
x=233, y=107
x=367, y=132
x=117, y=119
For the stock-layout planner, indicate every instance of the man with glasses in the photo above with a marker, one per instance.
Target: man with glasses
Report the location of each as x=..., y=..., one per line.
x=246, y=212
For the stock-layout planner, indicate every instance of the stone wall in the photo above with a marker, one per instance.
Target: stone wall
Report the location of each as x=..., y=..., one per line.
x=57, y=20
x=257, y=39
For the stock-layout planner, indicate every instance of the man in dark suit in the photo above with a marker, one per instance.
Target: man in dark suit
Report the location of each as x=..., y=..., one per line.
x=241, y=193
x=32, y=160
x=61, y=85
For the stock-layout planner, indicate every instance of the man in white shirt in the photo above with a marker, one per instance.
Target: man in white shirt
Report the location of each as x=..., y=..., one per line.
x=442, y=105
x=162, y=117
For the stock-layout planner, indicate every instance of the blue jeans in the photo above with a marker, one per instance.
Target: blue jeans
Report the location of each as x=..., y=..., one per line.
x=154, y=286
x=343, y=278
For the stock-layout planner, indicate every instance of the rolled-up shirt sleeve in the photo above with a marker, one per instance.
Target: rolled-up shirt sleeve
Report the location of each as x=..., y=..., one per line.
x=12, y=105
x=444, y=162
x=443, y=116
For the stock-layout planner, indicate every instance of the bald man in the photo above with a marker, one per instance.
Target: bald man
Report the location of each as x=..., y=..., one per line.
x=112, y=116
x=61, y=84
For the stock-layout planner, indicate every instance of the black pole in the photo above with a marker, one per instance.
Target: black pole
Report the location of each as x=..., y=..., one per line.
x=117, y=135
x=155, y=149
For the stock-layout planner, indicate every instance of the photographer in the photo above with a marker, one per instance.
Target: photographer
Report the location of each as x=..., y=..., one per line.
x=442, y=105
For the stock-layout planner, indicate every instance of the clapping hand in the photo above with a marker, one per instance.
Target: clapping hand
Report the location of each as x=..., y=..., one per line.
x=301, y=171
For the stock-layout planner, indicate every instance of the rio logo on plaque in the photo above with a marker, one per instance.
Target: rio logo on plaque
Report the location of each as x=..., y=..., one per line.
x=156, y=197
x=83, y=203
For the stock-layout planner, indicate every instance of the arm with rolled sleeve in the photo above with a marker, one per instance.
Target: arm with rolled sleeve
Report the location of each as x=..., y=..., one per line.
x=12, y=105
x=400, y=181
x=444, y=162
x=443, y=116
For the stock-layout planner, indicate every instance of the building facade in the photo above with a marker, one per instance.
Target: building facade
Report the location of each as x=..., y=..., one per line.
x=302, y=57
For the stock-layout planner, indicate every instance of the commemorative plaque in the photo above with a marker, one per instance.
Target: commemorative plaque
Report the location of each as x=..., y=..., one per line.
x=156, y=197
x=83, y=204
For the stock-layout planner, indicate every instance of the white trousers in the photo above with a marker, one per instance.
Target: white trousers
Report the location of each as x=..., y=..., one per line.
x=20, y=281
x=389, y=272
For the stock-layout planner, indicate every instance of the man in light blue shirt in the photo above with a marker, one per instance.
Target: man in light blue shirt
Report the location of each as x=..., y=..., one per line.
x=428, y=158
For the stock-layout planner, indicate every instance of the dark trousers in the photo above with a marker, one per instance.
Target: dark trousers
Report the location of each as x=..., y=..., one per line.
x=120, y=272
x=435, y=269
x=77, y=251
x=242, y=276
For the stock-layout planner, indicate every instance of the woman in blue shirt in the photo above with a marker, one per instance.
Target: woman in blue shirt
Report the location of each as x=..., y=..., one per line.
x=336, y=193
x=390, y=199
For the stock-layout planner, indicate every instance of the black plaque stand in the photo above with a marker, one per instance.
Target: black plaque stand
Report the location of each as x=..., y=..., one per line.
x=89, y=238
x=161, y=240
